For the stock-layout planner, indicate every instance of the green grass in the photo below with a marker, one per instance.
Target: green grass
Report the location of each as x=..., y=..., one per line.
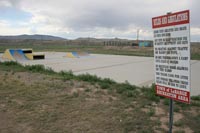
x=39, y=68
x=150, y=93
x=195, y=56
x=196, y=98
x=195, y=103
x=67, y=75
x=151, y=112
x=49, y=47
x=104, y=85
x=166, y=101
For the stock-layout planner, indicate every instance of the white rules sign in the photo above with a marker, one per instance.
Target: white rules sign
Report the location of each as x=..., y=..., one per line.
x=172, y=55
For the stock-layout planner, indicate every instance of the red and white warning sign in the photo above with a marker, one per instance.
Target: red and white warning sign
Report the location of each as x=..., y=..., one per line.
x=172, y=55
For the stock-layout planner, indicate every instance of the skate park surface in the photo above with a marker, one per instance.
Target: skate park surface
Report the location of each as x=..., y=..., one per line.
x=136, y=70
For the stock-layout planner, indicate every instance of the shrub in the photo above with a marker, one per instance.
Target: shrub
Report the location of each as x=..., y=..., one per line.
x=197, y=98
x=151, y=94
x=39, y=68
x=35, y=68
x=104, y=85
x=88, y=78
x=151, y=112
x=195, y=103
x=75, y=94
x=120, y=90
x=130, y=93
x=108, y=81
x=166, y=101
x=67, y=75
x=183, y=105
x=11, y=63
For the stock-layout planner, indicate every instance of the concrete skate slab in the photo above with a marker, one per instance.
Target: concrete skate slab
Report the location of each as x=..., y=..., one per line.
x=136, y=70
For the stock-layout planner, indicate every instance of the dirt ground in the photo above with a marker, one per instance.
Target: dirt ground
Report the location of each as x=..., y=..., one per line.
x=33, y=102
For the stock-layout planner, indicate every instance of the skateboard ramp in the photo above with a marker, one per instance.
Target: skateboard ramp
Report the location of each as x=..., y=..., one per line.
x=21, y=54
x=7, y=55
x=76, y=54
x=32, y=56
x=14, y=55
x=71, y=55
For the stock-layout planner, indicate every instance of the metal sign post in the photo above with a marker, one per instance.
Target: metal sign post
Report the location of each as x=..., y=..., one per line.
x=171, y=110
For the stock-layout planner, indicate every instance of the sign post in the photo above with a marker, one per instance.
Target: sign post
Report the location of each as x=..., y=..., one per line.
x=172, y=57
x=171, y=109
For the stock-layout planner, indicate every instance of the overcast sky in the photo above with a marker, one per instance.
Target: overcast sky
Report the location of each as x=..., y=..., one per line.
x=91, y=18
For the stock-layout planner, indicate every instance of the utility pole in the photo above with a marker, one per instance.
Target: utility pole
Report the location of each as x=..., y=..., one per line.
x=138, y=31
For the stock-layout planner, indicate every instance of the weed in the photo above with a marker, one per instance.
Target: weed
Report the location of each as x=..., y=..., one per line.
x=178, y=123
x=158, y=122
x=176, y=109
x=128, y=86
x=104, y=85
x=87, y=90
x=75, y=94
x=179, y=131
x=6, y=74
x=166, y=101
x=151, y=94
x=89, y=78
x=151, y=112
x=67, y=75
x=120, y=90
x=39, y=68
x=131, y=93
x=71, y=83
x=193, y=121
x=108, y=81
x=125, y=88
x=195, y=103
x=182, y=105
x=110, y=99
x=13, y=73
x=35, y=68
x=10, y=63
x=197, y=98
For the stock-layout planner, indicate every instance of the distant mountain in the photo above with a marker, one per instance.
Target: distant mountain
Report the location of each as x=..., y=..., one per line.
x=100, y=39
x=32, y=37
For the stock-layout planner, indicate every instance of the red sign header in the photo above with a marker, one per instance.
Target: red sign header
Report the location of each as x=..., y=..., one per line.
x=177, y=18
x=175, y=94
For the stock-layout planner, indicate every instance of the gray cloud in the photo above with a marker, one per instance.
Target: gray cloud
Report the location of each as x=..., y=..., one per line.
x=194, y=11
x=92, y=15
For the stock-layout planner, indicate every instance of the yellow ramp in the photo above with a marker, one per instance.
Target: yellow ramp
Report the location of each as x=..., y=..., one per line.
x=28, y=53
x=7, y=55
x=70, y=55
x=29, y=56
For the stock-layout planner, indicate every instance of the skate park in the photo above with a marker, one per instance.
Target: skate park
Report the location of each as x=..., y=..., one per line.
x=134, y=69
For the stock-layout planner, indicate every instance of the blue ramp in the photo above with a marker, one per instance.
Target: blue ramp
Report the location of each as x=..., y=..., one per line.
x=18, y=54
